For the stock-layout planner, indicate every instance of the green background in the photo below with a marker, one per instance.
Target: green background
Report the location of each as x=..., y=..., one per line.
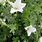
x=14, y=30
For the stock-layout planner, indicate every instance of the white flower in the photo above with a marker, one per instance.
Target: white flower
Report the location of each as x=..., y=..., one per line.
x=30, y=29
x=2, y=2
x=40, y=39
x=17, y=6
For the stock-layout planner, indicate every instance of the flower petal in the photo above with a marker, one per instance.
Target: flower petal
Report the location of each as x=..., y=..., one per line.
x=23, y=5
x=20, y=10
x=13, y=10
x=34, y=29
x=29, y=33
x=26, y=28
x=18, y=1
x=30, y=29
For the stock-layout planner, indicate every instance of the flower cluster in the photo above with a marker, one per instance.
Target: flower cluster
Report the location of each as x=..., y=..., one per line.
x=18, y=6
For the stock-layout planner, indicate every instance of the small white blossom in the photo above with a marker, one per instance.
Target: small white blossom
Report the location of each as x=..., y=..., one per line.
x=40, y=39
x=2, y=2
x=30, y=29
x=17, y=6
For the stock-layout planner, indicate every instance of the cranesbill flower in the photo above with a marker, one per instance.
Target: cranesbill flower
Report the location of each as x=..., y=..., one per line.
x=30, y=29
x=17, y=6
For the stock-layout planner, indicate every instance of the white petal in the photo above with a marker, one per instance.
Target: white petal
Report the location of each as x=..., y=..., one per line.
x=21, y=10
x=26, y=28
x=29, y=33
x=13, y=10
x=40, y=39
x=34, y=30
x=14, y=5
x=22, y=5
x=18, y=1
x=30, y=29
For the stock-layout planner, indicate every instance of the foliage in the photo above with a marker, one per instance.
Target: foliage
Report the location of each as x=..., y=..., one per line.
x=12, y=29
